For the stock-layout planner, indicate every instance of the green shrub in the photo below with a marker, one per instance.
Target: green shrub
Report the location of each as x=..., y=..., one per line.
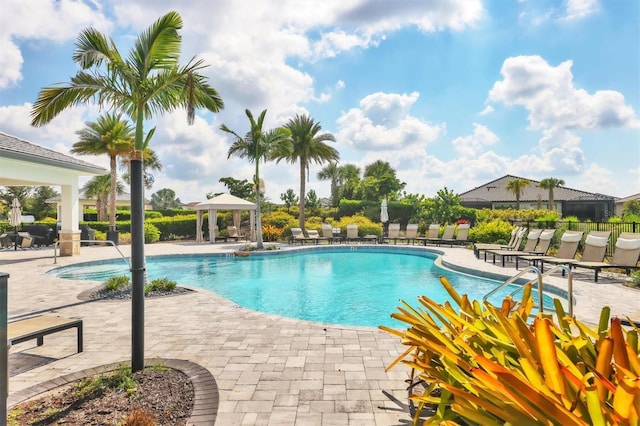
x=365, y=225
x=151, y=233
x=635, y=278
x=160, y=284
x=113, y=284
x=279, y=219
x=490, y=232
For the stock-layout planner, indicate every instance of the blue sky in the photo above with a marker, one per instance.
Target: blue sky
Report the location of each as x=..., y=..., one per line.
x=451, y=93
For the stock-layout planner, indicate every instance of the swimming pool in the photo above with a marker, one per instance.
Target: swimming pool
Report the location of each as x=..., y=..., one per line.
x=339, y=285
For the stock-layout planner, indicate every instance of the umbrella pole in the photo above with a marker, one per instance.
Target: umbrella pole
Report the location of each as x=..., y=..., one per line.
x=15, y=240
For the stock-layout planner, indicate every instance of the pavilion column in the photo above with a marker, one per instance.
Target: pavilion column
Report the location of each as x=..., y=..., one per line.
x=252, y=225
x=199, y=237
x=69, y=231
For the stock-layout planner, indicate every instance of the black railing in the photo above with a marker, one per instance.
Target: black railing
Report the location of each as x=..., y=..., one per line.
x=616, y=228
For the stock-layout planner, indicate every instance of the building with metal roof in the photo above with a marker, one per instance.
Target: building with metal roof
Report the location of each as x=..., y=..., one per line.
x=568, y=201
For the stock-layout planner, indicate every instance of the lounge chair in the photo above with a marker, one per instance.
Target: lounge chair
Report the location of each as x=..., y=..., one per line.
x=297, y=236
x=327, y=233
x=432, y=234
x=625, y=256
x=411, y=234
x=447, y=236
x=595, y=248
x=352, y=232
x=513, y=243
x=532, y=241
x=393, y=233
x=233, y=234
x=462, y=235
x=544, y=244
x=314, y=236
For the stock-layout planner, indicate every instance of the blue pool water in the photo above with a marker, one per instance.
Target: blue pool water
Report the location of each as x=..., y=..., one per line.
x=333, y=285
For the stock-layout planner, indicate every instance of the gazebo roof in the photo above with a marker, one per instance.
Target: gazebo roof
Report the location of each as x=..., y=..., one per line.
x=226, y=202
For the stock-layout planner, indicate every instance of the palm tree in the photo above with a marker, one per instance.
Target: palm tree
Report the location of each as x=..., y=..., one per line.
x=331, y=172
x=110, y=135
x=256, y=146
x=150, y=162
x=149, y=81
x=516, y=186
x=349, y=180
x=550, y=184
x=100, y=187
x=306, y=144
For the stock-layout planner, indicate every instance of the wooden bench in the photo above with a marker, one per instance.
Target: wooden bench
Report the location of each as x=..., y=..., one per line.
x=40, y=326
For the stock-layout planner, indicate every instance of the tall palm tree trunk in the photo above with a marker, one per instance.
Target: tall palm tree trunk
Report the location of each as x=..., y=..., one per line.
x=137, y=248
x=112, y=196
x=303, y=189
x=551, y=199
x=259, y=242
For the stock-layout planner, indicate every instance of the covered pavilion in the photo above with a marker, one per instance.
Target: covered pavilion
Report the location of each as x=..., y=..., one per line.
x=23, y=163
x=224, y=202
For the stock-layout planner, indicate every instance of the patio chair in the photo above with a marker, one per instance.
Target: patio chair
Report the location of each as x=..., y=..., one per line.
x=432, y=234
x=393, y=233
x=532, y=241
x=462, y=235
x=352, y=232
x=297, y=236
x=447, y=236
x=25, y=241
x=234, y=234
x=544, y=244
x=5, y=242
x=478, y=247
x=327, y=233
x=625, y=256
x=314, y=236
x=595, y=248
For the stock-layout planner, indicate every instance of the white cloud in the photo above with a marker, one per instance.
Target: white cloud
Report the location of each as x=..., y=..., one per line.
x=472, y=145
x=486, y=111
x=551, y=98
x=383, y=122
x=578, y=9
x=53, y=20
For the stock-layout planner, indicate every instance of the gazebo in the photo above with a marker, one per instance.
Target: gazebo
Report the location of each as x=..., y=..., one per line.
x=224, y=202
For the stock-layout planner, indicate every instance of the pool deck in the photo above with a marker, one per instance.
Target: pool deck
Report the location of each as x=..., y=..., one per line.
x=268, y=369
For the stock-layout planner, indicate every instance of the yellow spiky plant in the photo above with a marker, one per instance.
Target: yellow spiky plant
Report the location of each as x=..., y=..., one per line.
x=493, y=366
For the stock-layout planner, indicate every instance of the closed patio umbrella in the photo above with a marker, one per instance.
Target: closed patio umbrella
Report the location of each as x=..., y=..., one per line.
x=384, y=214
x=15, y=219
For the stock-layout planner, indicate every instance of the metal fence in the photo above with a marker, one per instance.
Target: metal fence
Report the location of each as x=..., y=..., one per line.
x=616, y=228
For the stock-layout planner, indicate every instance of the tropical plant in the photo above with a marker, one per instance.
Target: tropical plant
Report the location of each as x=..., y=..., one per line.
x=165, y=199
x=349, y=181
x=332, y=172
x=149, y=81
x=550, y=184
x=491, y=366
x=38, y=204
x=311, y=201
x=380, y=181
x=238, y=188
x=109, y=135
x=516, y=186
x=289, y=198
x=160, y=284
x=631, y=208
x=100, y=187
x=256, y=145
x=306, y=144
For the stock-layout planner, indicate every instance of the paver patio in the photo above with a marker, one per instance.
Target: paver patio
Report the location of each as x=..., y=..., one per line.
x=268, y=369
